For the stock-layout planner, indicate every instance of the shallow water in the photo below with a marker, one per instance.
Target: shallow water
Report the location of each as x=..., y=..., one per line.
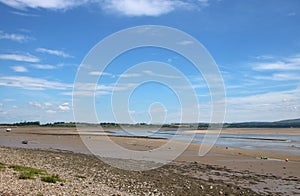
x=289, y=144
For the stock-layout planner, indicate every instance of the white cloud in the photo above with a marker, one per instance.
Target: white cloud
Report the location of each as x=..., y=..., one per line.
x=32, y=83
x=64, y=107
x=185, y=42
x=289, y=63
x=279, y=65
x=150, y=7
x=282, y=69
x=263, y=107
x=14, y=37
x=87, y=93
x=151, y=73
x=18, y=57
x=90, y=89
x=54, y=52
x=99, y=73
x=47, y=104
x=35, y=104
x=53, y=4
x=130, y=75
x=51, y=111
x=140, y=7
x=49, y=107
x=280, y=77
x=40, y=111
x=23, y=14
x=123, y=7
x=43, y=66
x=264, y=57
x=19, y=69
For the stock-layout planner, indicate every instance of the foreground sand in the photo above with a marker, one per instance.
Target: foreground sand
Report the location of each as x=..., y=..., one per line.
x=231, y=171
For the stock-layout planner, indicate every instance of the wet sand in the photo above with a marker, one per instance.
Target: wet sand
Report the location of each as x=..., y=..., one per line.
x=229, y=165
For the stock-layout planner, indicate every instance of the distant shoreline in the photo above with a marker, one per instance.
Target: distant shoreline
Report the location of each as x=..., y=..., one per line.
x=225, y=130
x=290, y=123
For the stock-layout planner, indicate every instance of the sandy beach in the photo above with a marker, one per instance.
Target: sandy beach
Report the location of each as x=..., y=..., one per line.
x=223, y=171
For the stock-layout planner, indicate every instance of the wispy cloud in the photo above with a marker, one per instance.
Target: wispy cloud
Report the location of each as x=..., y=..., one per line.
x=151, y=73
x=278, y=69
x=279, y=77
x=35, y=104
x=130, y=75
x=53, y=52
x=185, y=42
x=19, y=69
x=31, y=83
x=99, y=73
x=51, y=111
x=14, y=37
x=280, y=65
x=19, y=57
x=90, y=89
x=53, y=4
x=23, y=14
x=43, y=66
x=264, y=57
x=290, y=63
x=266, y=106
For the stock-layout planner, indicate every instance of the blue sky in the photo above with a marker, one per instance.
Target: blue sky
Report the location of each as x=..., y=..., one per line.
x=256, y=45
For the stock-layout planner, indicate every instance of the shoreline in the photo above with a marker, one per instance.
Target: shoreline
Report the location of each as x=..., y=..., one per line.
x=247, y=135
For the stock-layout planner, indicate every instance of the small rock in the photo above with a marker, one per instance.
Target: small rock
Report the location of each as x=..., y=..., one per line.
x=211, y=187
x=24, y=142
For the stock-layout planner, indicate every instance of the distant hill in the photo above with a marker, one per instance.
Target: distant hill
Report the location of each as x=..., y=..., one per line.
x=289, y=121
x=276, y=124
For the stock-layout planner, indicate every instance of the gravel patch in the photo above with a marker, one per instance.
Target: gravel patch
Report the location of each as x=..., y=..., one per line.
x=87, y=175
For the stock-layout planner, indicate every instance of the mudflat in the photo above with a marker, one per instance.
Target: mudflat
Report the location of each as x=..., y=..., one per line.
x=221, y=171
